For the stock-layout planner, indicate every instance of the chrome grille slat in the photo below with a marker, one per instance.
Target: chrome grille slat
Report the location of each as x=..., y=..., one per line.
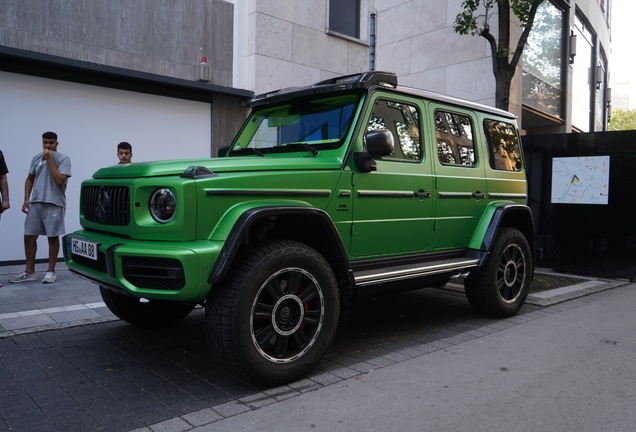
x=117, y=208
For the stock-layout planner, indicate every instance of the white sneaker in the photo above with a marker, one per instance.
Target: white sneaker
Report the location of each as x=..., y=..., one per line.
x=24, y=277
x=49, y=277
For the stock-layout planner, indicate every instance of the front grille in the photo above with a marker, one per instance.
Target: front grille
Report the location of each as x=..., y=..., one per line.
x=99, y=265
x=154, y=273
x=107, y=205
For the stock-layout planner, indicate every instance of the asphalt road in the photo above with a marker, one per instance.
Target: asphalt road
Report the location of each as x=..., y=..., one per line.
x=416, y=361
x=569, y=368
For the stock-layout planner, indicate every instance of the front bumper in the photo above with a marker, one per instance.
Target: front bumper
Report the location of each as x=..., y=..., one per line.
x=155, y=270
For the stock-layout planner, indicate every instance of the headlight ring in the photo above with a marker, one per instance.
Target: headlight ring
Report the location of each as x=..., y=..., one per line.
x=163, y=205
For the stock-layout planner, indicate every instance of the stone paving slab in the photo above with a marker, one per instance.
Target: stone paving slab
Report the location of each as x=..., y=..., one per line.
x=33, y=306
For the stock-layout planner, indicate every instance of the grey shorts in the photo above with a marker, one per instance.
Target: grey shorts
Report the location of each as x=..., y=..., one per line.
x=45, y=219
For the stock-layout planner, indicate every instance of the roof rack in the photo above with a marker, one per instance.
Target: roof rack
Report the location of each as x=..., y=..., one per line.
x=363, y=80
x=360, y=81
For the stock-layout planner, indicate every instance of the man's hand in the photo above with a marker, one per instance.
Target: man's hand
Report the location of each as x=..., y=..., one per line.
x=47, y=154
x=26, y=205
x=4, y=206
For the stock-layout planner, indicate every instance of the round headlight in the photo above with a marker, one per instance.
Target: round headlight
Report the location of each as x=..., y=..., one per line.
x=163, y=205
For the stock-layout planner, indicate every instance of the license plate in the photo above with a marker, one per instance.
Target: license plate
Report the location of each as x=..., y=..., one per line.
x=85, y=248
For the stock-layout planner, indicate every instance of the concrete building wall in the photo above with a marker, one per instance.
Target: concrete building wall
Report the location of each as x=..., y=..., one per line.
x=417, y=41
x=287, y=44
x=164, y=37
x=90, y=121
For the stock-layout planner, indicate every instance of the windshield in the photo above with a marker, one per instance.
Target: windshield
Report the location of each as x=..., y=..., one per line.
x=306, y=125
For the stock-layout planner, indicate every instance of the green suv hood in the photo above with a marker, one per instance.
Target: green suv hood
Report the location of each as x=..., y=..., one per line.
x=217, y=165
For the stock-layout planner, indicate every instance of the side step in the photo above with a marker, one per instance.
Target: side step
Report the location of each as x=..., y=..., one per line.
x=396, y=273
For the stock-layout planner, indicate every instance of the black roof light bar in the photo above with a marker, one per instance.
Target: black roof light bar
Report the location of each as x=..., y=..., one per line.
x=360, y=81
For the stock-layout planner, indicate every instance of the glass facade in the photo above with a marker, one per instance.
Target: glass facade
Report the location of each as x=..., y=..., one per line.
x=601, y=91
x=583, y=76
x=542, y=62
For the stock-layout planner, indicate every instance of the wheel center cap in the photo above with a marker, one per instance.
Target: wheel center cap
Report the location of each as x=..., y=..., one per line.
x=287, y=314
x=510, y=274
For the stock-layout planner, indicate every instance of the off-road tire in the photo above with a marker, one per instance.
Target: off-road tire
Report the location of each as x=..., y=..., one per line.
x=499, y=288
x=274, y=317
x=155, y=313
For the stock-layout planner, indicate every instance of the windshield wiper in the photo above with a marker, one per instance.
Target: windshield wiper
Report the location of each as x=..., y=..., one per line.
x=307, y=147
x=248, y=150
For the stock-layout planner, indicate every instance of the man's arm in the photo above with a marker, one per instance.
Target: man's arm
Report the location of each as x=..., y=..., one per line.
x=58, y=178
x=28, y=187
x=4, y=191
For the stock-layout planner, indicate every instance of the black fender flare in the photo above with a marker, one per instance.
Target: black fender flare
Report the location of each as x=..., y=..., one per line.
x=507, y=215
x=245, y=221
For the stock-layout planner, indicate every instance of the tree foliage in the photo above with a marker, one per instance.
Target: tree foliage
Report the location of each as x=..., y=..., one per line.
x=622, y=120
x=475, y=19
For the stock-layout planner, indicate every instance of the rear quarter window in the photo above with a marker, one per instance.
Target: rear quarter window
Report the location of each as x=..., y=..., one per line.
x=503, y=143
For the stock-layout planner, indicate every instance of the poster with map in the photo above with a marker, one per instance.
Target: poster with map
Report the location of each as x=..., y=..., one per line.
x=580, y=180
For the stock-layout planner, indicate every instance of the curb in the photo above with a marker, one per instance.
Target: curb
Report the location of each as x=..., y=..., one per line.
x=560, y=295
x=589, y=285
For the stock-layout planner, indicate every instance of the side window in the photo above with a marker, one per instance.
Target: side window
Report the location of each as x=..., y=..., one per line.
x=403, y=121
x=505, y=153
x=454, y=133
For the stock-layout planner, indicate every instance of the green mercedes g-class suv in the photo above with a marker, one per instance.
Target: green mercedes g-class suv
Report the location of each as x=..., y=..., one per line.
x=351, y=187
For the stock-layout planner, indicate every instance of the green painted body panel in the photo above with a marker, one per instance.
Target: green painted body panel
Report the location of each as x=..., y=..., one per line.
x=197, y=258
x=235, y=193
x=329, y=159
x=388, y=217
x=458, y=208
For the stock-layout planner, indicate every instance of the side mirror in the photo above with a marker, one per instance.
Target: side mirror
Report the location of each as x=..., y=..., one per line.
x=379, y=142
x=223, y=151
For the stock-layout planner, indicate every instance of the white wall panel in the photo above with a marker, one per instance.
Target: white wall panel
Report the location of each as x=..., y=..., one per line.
x=90, y=121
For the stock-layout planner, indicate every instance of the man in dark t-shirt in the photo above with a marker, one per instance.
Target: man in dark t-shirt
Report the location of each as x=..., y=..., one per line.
x=4, y=187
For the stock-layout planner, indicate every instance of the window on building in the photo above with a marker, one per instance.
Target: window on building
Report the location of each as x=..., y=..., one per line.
x=503, y=141
x=583, y=76
x=403, y=121
x=601, y=91
x=542, y=62
x=454, y=133
x=344, y=17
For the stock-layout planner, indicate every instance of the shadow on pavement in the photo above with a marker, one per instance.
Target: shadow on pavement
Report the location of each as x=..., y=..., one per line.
x=117, y=377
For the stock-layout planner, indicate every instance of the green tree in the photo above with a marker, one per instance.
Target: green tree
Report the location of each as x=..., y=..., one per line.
x=475, y=20
x=622, y=120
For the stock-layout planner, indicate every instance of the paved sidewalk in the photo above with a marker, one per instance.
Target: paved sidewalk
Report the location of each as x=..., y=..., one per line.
x=33, y=306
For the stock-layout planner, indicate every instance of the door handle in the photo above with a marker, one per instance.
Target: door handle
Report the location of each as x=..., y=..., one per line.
x=423, y=194
x=479, y=195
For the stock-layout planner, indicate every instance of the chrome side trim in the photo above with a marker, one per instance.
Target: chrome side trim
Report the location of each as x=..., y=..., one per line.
x=369, y=277
x=507, y=195
x=375, y=193
x=455, y=194
x=268, y=192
